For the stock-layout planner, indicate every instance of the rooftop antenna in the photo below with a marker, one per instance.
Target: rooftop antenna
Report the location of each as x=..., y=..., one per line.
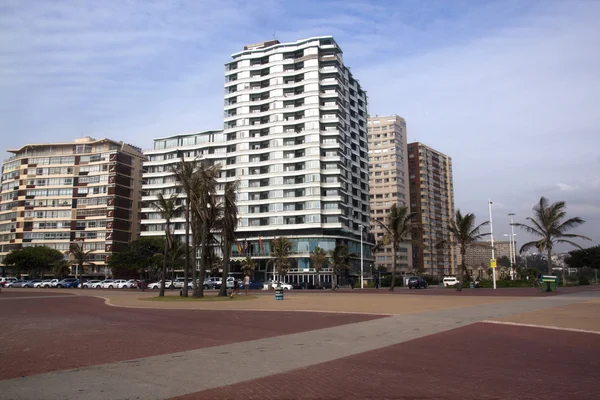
x=274, y=37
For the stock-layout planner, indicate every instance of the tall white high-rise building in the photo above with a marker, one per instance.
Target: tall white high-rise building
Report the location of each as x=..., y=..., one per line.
x=295, y=135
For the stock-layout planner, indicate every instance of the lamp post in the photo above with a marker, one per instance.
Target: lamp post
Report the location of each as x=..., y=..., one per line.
x=511, y=252
x=492, y=235
x=512, y=231
x=362, y=281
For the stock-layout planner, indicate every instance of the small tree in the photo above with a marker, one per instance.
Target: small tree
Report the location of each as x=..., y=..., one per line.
x=339, y=260
x=318, y=257
x=281, y=248
x=463, y=234
x=168, y=209
x=248, y=266
x=79, y=255
x=399, y=227
x=549, y=226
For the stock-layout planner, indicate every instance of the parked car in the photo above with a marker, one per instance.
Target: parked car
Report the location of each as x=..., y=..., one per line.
x=306, y=285
x=100, y=285
x=41, y=283
x=274, y=284
x=417, y=282
x=130, y=284
x=178, y=283
x=212, y=283
x=113, y=284
x=68, y=283
x=91, y=284
x=5, y=280
x=49, y=283
x=31, y=284
x=16, y=284
x=156, y=285
x=254, y=284
x=231, y=280
x=449, y=281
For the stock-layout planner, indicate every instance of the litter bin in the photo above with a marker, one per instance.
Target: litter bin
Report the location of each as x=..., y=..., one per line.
x=471, y=285
x=548, y=283
x=278, y=293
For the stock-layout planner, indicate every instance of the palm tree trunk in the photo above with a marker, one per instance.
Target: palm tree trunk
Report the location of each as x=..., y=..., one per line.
x=226, y=257
x=318, y=280
x=463, y=252
x=394, y=255
x=194, y=262
x=163, y=278
x=549, y=261
x=203, y=256
x=186, y=269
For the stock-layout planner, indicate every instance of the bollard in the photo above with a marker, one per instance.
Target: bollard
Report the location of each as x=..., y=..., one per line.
x=279, y=293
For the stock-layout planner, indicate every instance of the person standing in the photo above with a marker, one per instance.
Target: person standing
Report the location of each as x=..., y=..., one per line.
x=246, y=284
x=236, y=287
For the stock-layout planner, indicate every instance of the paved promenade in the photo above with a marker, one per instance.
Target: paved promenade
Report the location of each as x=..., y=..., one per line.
x=342, y=345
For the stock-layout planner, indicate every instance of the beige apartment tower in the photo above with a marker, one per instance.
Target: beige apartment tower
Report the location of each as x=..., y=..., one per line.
x=388, y=182
x=87, y=192
x=432, y=198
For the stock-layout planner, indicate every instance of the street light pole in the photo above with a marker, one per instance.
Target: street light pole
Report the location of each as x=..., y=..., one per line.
x=511, y=253
x=362, y=280
x=492, y=235
x=512, y=237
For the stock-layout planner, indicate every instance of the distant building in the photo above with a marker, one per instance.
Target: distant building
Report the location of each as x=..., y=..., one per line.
x=479, y=255
x=432, y=198
x=388, y=182
x=87, y=191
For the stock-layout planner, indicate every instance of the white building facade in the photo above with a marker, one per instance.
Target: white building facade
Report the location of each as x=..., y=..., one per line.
x=295, y=135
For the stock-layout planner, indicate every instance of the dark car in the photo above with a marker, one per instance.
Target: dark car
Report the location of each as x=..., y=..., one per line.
x=68, y=283
x=417, y=282
x=253, y=285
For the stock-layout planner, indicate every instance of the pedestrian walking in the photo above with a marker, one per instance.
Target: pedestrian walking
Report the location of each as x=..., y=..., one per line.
x=236, y=287
x=246, y=284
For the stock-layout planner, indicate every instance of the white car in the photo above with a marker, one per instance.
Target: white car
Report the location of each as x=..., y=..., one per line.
x=91, y=284
x=156, y=285
x=51, y=284
x=212, y=283
x=100, y=285
x=45, y=283
x=130, y=284
x=274, y=284
x=113, y=284
x=450, y=281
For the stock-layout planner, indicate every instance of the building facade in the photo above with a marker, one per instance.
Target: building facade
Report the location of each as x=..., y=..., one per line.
x=388, y=183
x=478, y=256
x=295, y=135
x=87, y=192
x=432, y=199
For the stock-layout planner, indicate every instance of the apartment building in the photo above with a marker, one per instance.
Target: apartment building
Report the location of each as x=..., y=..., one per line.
x=295, y=135
x=388, y=183
x=432, y=198
x=86, y=191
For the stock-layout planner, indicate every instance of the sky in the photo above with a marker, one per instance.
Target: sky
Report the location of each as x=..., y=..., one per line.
x=509, y=89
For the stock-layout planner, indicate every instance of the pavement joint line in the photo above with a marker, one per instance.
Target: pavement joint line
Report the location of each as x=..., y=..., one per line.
x=557, y=328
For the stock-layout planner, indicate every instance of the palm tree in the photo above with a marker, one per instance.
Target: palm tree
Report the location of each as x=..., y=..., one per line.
x=463, y=234
x=79, y=255
x=184, y=172
x=206, y=210
x=399, y=227
x=228, y=224
x=168, y=209
x=548, y=225
x=281, y=248
x=248, y=266
x=339, y=260
x=318, y=257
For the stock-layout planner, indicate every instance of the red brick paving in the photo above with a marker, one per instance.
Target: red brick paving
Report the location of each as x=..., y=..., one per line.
x=480, y=361
x=42, y=335
x=17, y=293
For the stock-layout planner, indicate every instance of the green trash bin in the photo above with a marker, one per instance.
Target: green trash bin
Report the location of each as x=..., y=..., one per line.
x=549, y=283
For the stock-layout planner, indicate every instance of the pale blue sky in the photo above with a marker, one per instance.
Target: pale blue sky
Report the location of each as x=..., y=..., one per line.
x=509, y=89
